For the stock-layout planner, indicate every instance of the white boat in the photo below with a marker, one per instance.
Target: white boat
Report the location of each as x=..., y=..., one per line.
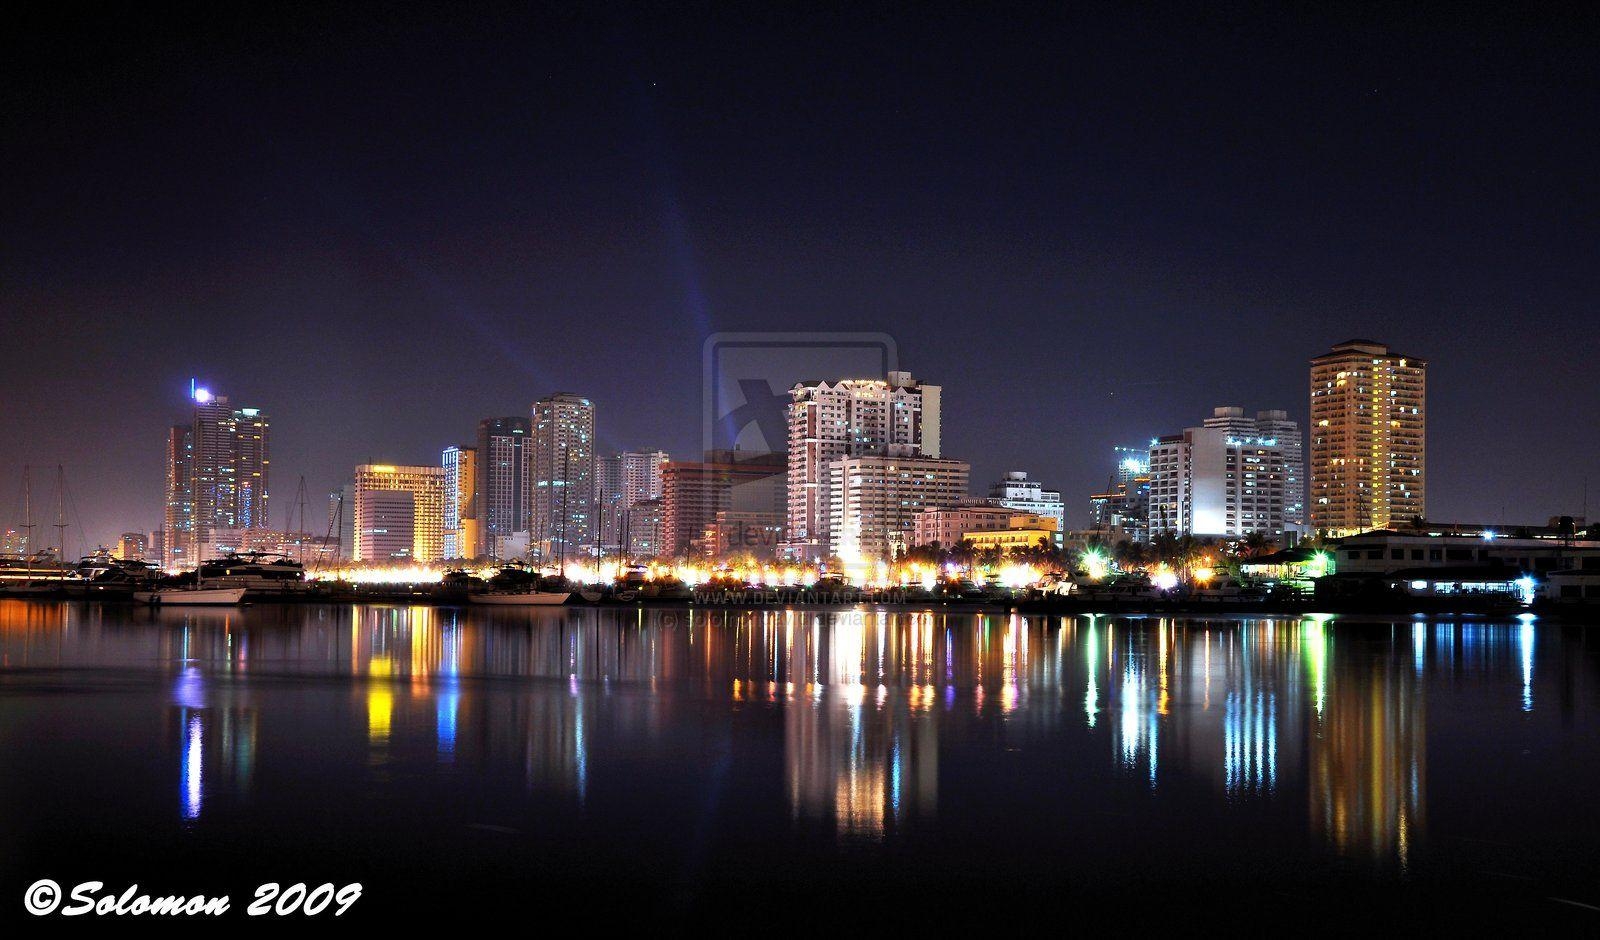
x=190, y=596
x=520, y=598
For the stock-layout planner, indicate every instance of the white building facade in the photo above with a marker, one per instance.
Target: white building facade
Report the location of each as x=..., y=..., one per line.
x=1209, y=481
x=1273, y=426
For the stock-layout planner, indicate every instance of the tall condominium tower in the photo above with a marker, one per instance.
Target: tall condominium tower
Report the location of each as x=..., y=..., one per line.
x=460, y=501
x=1284, y=434
x=177, y=517
x=563, y=476
x=621, y=480
x=399, y=513
x=1368, y=438
x=216, y=476
x=504, y=477
x=830, y=421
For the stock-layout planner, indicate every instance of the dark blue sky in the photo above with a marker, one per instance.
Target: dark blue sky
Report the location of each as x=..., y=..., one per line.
x=1089, y=224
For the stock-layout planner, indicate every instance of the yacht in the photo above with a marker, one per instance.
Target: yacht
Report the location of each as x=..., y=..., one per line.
x=261, y=574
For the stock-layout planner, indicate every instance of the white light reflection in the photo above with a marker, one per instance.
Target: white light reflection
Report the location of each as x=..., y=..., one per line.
x=1525, y=639
x=193, y=762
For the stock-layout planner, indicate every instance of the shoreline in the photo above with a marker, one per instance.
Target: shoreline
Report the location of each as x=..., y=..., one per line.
x=1030, y=607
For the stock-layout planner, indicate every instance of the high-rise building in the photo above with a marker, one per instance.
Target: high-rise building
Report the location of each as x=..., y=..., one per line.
x=504, y=467
x=460, y=501
x=1018, y=492
x=643, y=530
x=873, y=502
x=1212, y=481
x=399, y=513
x=1122, y=511
x=1368, y=438
x=217, y=476
x=178, y=546
x=694, y=492
x=620, y=481
x=1273, y=426
x=563, y=476
x=829, y=421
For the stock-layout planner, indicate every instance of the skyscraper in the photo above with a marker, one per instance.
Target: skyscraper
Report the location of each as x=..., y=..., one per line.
x=563, y=476
x=460, y=501
x=1368, y=438
x=828, y=421
x=504, y=468
x=178, y=545
x=622, y=480
x=399, y=513
x=216, y=476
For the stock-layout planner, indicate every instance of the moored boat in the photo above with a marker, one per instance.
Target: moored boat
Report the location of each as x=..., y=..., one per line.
x=520, y=598
x=190, y=596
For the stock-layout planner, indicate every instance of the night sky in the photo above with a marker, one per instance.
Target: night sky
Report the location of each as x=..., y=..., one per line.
x=1090, y=225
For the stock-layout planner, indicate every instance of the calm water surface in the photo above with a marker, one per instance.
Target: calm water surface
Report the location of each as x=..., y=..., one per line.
x=807, y=769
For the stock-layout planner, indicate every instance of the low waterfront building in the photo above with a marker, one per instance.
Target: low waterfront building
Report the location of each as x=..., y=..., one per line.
x=306, y=548
x=945, y=526
x=1022, y=531
x=1574, y=586
x=1296, y=568
x=1016, y=491
x=1530, y=550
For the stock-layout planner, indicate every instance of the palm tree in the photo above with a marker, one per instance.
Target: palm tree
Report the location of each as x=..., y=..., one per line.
x=1255, y=544
x=1130, y=555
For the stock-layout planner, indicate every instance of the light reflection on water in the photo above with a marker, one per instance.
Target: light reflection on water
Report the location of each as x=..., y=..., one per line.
x=874, y=713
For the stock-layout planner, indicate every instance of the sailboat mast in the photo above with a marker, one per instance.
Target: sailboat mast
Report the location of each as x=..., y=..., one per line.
x=27, y=517
x=61, y=513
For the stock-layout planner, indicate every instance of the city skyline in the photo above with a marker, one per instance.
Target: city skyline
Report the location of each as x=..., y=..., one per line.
x=1121, y=267
x=1076, y=506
